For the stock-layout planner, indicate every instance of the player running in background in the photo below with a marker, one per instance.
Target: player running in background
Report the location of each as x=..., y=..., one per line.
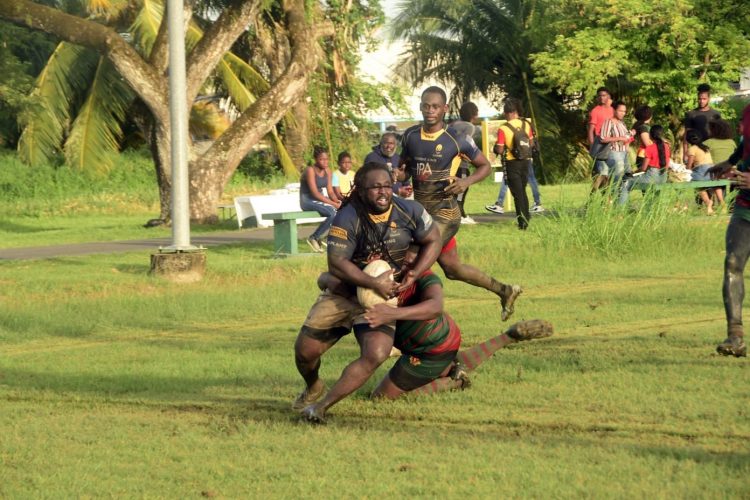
x=430, y=156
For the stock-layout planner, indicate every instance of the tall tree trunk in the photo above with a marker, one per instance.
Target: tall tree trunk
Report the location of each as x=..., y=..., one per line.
x=298, y=135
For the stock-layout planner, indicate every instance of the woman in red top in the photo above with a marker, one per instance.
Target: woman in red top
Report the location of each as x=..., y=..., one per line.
x=653, y=169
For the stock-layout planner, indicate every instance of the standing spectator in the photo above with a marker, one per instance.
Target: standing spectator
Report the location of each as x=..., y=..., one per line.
x=469, y=114
x=699, y=118
x=641, y=127
x=537, y=207
x=343, y=178
x=721, y=144
x=737, y=242
x=517, y=160
x=615, y=133
x=598, y=151
x=316, y=193
x=385, y=154
x=654, y=166
x=699, y=161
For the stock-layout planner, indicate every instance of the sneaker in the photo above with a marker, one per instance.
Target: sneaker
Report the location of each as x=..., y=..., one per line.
x=323, y=243
x=507, y=300
x=532, y=329
x=314, y=244
x=467, y=220
x=537, y=208
x=732, y=346
x=498, y=209
x=459, y=372
x=307, y=397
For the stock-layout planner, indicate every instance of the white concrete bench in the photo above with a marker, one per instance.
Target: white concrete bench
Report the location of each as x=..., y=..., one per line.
x=259, y=205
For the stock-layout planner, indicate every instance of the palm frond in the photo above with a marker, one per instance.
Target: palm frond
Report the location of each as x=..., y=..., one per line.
x=236, y=88
x=145, y=27
x=106, y=9
x=95, y=135
x=65, y=77
x=249, y=75
x=287, y=165
x=207, y=121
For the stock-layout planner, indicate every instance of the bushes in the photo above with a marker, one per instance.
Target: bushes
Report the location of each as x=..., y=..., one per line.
x=49, y=189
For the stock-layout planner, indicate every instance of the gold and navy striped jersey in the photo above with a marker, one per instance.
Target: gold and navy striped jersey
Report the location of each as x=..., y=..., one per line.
x=431, y=159
x=403, y=222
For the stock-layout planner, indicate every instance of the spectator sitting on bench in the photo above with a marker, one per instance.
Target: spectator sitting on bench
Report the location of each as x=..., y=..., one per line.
x=654, y=166
x=699, y=160
x=343, y=178
x=316, y=193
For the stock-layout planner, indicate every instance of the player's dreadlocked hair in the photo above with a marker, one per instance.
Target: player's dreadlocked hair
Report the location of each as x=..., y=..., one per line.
x=372, y=238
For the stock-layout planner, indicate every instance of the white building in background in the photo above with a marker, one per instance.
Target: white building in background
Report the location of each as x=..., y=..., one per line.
x=382, y=65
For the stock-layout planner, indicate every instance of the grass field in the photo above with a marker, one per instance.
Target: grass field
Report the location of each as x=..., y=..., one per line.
x=113, y=383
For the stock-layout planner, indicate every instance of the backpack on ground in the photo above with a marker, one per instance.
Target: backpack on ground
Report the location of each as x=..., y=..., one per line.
x=521, y=147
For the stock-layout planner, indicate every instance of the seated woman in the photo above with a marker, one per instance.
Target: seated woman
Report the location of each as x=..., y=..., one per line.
x=316, y=193
x=653, y=166
x=699, y=161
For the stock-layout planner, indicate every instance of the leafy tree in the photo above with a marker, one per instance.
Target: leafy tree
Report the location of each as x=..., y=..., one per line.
x=22, y=56
x=337, y=97
x=653, y=52
x=485, y=46
x=143, y=67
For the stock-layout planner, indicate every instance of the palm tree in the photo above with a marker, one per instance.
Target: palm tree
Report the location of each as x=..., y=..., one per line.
x=81, y=100
x=484, y=47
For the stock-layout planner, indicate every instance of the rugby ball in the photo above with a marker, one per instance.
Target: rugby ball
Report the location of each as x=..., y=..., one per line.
x=368, y=297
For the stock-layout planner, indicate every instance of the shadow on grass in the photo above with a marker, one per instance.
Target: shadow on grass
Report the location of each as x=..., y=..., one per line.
x=11, y=227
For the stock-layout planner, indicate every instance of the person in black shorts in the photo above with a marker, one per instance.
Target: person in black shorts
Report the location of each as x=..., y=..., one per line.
x=371, y=224
x=430, y=156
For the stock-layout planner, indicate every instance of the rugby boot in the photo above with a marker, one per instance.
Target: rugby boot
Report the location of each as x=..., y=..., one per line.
x=314, y=415
x=532, y=329
x=308, y=397
x=507, y=298
x=458, y=372
x=734, y=345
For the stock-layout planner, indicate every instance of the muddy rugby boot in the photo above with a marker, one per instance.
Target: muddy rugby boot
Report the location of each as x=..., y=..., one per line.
x=507, y=299
x=733, y=346
x=532, y=329
x=314, y=415
x=308, y=397
x=458, y=372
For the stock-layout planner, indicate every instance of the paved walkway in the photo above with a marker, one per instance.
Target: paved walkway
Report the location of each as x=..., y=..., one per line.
x=210, y=240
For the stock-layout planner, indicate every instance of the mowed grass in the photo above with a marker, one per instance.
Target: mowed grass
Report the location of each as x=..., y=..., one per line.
x=113, y=383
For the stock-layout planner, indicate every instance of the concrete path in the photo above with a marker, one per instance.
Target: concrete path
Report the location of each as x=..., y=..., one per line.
x=210, y=240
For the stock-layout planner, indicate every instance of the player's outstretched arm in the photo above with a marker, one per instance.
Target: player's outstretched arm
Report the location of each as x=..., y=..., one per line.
x=428, y=253
x=429, y=307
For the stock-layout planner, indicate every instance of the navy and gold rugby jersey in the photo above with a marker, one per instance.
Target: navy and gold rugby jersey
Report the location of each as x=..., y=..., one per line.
x=405, y=221
x=431, y=159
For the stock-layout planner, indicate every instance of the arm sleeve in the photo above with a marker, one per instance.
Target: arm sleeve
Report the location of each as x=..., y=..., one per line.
x=468, y=147
x=500, y=137
x=423, y=222
x=343, y=233
x=335, y=182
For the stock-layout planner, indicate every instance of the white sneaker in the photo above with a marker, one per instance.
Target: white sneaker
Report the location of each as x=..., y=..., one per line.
x=314, y=244
x=498, y=209
x=468, y=220
x=537, y=208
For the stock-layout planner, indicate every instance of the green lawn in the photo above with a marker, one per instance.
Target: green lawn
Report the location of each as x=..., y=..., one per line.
x=113, y=383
